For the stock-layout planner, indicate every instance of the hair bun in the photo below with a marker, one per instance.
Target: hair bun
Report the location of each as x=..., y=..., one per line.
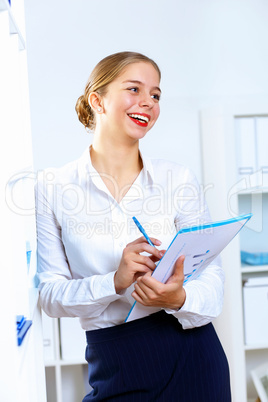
x=84, y=112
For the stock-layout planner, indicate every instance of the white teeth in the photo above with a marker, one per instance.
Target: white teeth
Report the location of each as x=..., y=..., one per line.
x=138, y=116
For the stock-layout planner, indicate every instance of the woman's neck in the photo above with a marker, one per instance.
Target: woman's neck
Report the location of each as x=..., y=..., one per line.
x=115, y=159
x=122, y=162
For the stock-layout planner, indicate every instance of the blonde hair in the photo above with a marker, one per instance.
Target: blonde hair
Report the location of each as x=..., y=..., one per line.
x=103, y=74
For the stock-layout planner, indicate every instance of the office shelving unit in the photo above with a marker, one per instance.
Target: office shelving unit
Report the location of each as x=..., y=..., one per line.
x=256, y=353
x=20, y=365
x=231, y=194
x=64, y=353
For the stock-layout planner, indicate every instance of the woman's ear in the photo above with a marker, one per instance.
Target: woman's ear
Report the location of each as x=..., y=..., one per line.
x=95, y=102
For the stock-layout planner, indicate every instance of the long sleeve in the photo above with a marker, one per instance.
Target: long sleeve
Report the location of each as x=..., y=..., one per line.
x=60, y=293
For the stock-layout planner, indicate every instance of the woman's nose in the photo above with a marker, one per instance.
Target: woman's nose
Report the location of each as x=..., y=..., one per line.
x=146, y=101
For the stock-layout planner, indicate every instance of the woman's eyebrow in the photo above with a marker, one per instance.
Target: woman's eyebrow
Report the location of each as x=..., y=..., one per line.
x=140, y=83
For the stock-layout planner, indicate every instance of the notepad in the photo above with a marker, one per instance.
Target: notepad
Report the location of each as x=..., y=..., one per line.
x=200, y=245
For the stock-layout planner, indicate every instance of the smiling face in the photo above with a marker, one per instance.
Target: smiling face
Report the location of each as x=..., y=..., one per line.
x=131, y=103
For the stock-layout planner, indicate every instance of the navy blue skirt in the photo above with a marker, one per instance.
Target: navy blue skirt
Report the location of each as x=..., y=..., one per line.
x=154, y=359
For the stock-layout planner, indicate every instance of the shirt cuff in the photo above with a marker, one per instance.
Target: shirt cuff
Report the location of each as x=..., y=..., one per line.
x=189, y=305
x=105, y=288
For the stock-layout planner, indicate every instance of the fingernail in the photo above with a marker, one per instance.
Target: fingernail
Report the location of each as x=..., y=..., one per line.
x=161, y=254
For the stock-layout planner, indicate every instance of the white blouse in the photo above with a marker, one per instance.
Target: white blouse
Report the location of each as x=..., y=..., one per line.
x=82, y=232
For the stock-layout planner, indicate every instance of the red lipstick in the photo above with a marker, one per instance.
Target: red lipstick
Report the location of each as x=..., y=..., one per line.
x=141, y=119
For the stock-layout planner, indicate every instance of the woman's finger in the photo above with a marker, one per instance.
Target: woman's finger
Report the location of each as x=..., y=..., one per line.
x=155, y=259
x=141, y=270
x=145, y=247
x=145, y=260
x=139, y=292
x=142, y=239
x=138, y=298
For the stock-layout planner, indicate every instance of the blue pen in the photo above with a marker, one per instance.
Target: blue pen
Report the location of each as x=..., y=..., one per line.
x=142, y=231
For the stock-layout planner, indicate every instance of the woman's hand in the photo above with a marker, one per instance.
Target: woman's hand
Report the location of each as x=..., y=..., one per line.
x=133, y=265
x=150, y=292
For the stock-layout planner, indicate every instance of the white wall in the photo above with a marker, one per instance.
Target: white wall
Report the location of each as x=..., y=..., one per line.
x=208, y=51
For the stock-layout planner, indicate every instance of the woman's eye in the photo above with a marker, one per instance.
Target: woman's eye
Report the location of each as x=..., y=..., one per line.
x=156, y=96
x=134, y=89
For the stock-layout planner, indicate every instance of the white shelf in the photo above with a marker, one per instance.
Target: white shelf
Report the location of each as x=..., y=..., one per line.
x=248, y=269
x=253, y=190
x=53, y=363
x=13, y=26
x=72, y=362
x=50, y=363
x=257, y=346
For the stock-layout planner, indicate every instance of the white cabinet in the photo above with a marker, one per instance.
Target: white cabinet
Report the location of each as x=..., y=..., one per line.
x=251, y=134
x=64, y=352
x=255, y=294
x=22, y=366
x=235, y=156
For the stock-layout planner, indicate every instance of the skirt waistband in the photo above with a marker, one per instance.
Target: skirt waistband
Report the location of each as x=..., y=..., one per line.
x=125, y=329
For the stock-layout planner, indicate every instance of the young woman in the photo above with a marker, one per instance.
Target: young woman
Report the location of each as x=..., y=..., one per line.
x=93, y=263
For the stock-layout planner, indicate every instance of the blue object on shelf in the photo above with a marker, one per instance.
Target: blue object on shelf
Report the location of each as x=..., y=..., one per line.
x=22, y=327
x=19, y=318
x=20, y=322
x=28, y=254
x=258, y=258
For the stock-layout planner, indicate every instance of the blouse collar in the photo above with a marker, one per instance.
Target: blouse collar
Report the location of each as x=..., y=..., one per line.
x=85, y=166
